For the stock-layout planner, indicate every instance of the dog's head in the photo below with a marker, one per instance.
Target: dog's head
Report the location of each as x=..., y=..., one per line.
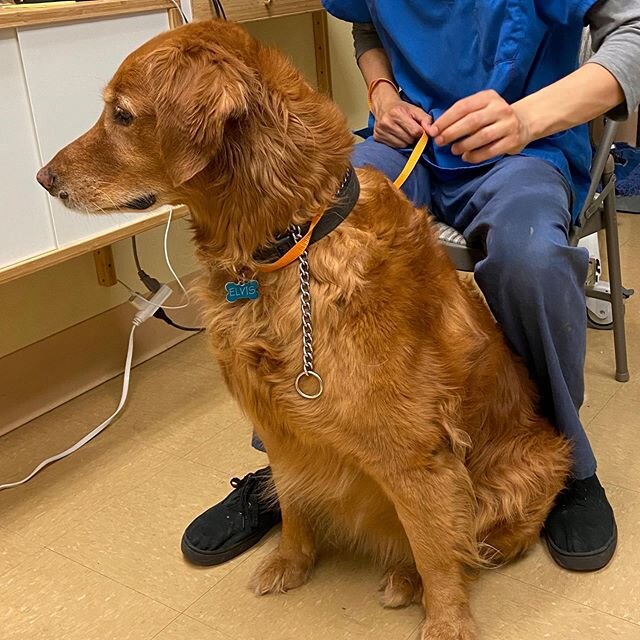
x=166, y=112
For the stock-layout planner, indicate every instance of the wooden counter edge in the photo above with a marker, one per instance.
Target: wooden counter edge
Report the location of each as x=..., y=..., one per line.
x=14, y=16
x=56, y=256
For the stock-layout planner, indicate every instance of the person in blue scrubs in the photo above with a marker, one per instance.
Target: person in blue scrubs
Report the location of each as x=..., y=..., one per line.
x=496, y=86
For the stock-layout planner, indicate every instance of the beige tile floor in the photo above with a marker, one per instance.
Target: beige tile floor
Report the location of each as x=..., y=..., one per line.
x=89, y=550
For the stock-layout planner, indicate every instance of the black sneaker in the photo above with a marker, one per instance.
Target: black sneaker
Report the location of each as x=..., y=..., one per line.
x=581, y=530
x=234, y=525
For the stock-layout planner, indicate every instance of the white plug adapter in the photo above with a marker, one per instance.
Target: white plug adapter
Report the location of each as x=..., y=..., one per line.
x=148, y=307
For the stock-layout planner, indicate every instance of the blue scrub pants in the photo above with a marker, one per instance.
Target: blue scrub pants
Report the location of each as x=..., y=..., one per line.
x=533, y=281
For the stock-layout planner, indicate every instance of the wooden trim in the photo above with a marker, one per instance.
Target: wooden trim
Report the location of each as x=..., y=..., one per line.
x=56, y=256
x=323, y=59
x=251, y=10
x=105, y=266
x=175, y=18
x=13, y=16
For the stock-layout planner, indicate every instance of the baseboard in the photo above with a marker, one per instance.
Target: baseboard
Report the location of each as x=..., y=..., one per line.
x=57, y=369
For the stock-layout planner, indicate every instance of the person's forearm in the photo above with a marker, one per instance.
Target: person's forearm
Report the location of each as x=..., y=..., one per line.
x=582, y=96
x=375, y=64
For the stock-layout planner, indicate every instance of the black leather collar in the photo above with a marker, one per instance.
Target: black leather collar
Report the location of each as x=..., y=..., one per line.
x=345, y=200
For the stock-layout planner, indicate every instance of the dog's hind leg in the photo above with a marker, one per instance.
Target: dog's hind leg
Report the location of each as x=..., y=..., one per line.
x=400, y=587
x=517, y=532
x=510, y=542
x=513, y=506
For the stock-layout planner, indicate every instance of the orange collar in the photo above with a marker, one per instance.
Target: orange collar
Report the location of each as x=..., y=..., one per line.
x=290, y=246
x=348, y=194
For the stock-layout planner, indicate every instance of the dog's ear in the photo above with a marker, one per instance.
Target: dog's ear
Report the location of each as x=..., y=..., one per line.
x=197, y=90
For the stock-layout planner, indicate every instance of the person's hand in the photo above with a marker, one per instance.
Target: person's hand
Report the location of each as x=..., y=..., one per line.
x=482, y=127
x=398, y=123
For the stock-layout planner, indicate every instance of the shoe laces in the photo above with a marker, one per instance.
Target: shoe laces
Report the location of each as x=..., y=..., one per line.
x=249, y=505
x=577, y=492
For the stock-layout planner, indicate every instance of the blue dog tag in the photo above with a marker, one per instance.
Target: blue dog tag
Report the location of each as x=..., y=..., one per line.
x=249, y=290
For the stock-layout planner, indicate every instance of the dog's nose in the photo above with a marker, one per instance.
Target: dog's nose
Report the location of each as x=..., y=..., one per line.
x=47, y=178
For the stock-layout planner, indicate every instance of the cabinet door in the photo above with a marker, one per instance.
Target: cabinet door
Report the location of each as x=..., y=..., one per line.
x=25, y=218
x=66, y=67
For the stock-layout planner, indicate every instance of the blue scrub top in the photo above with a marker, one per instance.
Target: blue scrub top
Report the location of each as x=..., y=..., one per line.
x=444, y=50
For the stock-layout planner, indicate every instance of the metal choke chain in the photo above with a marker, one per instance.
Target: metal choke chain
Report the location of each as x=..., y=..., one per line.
x=307, y=326
x=305, y=306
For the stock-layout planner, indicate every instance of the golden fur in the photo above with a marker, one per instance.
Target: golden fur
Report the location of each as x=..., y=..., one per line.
x=426, y=450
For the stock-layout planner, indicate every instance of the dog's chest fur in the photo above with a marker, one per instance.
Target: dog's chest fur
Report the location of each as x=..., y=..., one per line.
x=348, y=507
x=258, y=344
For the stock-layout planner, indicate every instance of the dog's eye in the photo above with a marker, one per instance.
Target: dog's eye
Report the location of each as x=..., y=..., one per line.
x=122, y=116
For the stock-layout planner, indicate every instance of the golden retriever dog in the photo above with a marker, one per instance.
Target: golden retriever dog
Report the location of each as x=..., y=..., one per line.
x=425, y=450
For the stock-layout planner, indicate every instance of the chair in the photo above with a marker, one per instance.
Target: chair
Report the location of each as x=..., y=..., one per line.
x=598, y=214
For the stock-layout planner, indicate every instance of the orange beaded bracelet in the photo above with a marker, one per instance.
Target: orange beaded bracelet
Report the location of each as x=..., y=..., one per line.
x=375, y=83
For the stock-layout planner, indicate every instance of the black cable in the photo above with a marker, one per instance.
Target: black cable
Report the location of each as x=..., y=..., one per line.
x=161, y=315
x=151, y=283
x=135, y=253
x=218, y=9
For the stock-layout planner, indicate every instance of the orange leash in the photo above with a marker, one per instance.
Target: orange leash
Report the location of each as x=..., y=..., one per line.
x=294, y=253
x=415, y=156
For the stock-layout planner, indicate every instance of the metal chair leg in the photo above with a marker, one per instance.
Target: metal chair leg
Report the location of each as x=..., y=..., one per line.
x=615, y=282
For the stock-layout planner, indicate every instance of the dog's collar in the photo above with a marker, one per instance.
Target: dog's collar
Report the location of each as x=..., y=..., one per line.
x=345, y=200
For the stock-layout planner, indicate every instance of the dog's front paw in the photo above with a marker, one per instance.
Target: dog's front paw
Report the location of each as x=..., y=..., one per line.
x=279, y=574
x=455, y=629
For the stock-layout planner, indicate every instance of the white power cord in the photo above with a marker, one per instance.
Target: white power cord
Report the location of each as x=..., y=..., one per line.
x=170, y=266
x=146, y=308
x=143, y=314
